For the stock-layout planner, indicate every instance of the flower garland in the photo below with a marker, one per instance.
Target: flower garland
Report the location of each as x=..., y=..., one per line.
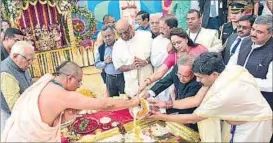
x=64, y=6
x=90, y=18
x=71, y=33
x=13, y=8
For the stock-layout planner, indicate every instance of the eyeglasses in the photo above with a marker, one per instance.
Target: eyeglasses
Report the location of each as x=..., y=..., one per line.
x=78, y=80
x=27, y=59
x=184, y=76
x=243, y=27
x=125, y=32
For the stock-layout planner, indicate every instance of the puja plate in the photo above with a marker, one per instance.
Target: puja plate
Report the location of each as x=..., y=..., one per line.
x=85, y=125
x=68, y=123
x=163, y=132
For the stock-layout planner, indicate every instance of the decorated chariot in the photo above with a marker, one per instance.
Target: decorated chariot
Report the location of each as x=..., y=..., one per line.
x=58, y=29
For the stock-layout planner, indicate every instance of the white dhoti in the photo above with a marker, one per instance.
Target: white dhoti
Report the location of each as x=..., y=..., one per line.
x=25, y=123
x=235, y=96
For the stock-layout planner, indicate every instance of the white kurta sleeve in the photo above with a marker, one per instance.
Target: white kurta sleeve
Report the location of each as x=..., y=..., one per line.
x=158, y=54
x=233, y=59
x=216, y=45
x=116, y=58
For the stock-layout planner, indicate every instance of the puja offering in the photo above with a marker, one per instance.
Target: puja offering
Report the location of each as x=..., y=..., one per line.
x=69, y=116
x=85, y=125
x=139, y=112
x=147, y=131
x=105, y=122
x=115, y=124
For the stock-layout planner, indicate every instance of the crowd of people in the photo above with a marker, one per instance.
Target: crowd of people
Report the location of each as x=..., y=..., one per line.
x=214, y=74
x=174, y=81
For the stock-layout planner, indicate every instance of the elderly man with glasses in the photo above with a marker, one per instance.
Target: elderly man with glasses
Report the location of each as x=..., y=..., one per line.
x=11, y=36
x=113, y=78
x=230, y=109
x=131, y=55
x=185, y=85
x=37, y=114
x=15, y=77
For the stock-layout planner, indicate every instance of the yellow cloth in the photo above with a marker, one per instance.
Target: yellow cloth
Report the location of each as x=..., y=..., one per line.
x=25, y=123
x=235, y=96
x=10, y=89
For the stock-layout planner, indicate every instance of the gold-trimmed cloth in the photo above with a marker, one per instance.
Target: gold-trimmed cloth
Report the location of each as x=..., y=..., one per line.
x=235, y=96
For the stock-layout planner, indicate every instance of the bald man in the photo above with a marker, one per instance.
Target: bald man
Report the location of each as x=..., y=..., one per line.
x=131, y=55
x=36, y=116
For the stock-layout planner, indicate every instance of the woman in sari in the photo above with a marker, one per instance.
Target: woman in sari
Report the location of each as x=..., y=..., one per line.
x=182, y=44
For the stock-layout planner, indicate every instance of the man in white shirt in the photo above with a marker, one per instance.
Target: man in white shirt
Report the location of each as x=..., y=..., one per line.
x=154, y=24
x=200, y=35
x=160, y=48
x=234, y=41
x=256, y=55
x=131, y=55
x=161, y=42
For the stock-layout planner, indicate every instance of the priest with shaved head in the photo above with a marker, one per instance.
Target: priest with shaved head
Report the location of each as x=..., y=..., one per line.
x=37, y=114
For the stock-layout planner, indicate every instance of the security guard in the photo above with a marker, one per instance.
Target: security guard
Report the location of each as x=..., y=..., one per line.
x=236, y=12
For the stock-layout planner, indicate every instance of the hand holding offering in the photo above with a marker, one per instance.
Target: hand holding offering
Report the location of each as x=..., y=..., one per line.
x=156, y=115
x=157, y=103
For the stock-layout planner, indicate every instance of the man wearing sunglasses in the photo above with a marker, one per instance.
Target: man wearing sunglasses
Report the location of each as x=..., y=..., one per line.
x=234, y=41
x=15, y=78
x=37, y=114
x=11, y=36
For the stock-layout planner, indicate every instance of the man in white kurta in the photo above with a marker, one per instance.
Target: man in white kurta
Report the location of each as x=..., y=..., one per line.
x=131, y=55
x=158, y=56
x=200, y=35
x=233, y=97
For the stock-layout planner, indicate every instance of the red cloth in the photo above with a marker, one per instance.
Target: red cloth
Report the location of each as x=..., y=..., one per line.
x=195, y=51
x=121, y=116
